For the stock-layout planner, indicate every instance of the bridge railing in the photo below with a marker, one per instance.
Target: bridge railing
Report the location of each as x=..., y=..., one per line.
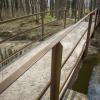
x=41, y=35
x=55, y=45
x=13, y=54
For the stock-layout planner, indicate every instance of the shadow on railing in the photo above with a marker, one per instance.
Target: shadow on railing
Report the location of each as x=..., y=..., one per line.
x=55, y=45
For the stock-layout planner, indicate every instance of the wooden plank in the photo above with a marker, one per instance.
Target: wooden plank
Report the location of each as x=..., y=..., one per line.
x=22, y=17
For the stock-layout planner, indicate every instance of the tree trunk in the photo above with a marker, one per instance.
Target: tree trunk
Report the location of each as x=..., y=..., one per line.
x=59, y=8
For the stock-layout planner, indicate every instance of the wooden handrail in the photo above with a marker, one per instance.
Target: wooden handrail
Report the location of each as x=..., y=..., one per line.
x=65, y=85
x=37, y=54
x=33, y=41
x=26, y=31
x=27, y=16
x=22, y=17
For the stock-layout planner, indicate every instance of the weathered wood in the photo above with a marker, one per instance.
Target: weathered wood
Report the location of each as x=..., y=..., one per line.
x=88, y=34
x=69, y=80
x=98, y=18
x=56, y=71
x=95, y=24
x=65, y=18
x=22, y=17
x=41, y=47
x=38, y=53
x=24, y=64
x=42, y=19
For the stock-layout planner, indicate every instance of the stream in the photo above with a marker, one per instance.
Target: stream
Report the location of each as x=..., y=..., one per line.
x=88, y=81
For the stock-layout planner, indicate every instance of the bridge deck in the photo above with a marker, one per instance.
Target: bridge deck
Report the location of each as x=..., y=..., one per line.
x=32, y=82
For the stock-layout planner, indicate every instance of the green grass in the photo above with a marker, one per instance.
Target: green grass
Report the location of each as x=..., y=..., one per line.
x=49, y=18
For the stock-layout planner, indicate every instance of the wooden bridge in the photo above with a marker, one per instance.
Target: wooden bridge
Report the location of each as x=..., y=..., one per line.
x=48, y=70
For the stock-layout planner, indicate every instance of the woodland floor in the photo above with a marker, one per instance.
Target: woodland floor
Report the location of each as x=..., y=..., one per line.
x=33, y=35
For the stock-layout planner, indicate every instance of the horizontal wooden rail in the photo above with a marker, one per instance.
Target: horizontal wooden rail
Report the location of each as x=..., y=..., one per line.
x=48, y=85
x=73, y=50
x=25, y=32
x=27, y=16
x=28, y=30
x=66, y=84
x=39, y=52
x=22, y=17
x=24, y=47
x=33, y=41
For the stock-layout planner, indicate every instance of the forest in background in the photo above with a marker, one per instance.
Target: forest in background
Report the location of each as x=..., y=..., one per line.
x=33, y=28
x=17, y=8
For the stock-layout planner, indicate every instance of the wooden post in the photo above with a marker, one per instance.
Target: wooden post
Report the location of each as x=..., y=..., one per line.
x=88, y=34
x=91, y=4
x=95, y=24
x=42, y=19
x=65, y=18
x=75, y=12
x=56, y=71
x=99, y=16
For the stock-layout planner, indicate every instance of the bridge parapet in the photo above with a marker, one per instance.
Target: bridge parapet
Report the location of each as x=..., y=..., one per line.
x=55, y=45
